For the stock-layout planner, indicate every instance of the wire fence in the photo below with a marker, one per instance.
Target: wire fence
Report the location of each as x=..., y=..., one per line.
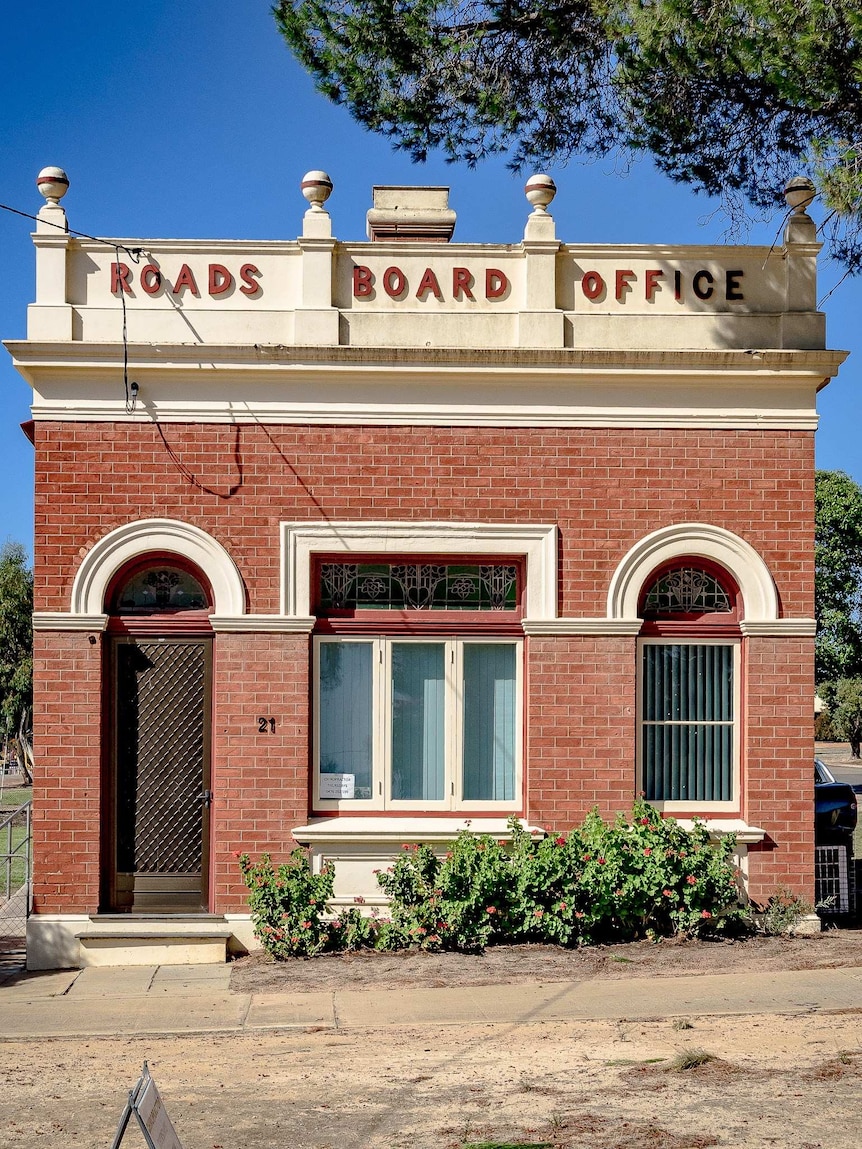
x=15, y=876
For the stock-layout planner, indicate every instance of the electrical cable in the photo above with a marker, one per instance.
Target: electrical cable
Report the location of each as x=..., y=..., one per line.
x=134, y=253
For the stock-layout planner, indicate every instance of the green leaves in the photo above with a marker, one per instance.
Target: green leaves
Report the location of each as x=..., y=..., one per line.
x=16, y=636
x=838, y=576
x=844, y=700
x=288, y=905
x=645, y=876
x=731, y=98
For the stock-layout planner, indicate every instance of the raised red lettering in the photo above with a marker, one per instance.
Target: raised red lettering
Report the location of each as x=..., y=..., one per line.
x=394, y=283
x=462, y=281
x=120, y=273
x=651, y=282
x=593, y=285
x=185, y=279
x=363, y=281
x=496, y=283
x=151, y=279
x=245, y=273
x=623, y=279
x=677, y=285
x=429, y=283
x=700, y=278
x=221, y=279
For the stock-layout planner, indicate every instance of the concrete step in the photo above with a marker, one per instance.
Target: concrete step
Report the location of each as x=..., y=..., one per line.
x=132, y=939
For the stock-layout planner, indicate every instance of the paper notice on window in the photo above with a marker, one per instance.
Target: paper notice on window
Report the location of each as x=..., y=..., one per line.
x=337, y=785
x=154, y=1117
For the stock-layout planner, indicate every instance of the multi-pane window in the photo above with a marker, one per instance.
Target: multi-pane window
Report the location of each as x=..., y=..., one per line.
x=689, y=675
x=427, y=723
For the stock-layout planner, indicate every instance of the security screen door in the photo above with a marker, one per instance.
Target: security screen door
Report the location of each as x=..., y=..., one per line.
x=161, y=711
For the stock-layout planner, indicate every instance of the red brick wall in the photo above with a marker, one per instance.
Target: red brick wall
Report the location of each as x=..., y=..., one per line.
x=778, y=766
x=67, y=714
x=580, y=728
x=605, y=489
x=260, y=781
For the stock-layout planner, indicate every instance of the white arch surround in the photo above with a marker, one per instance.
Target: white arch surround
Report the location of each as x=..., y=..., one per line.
x=144, y=536
x=701, y=540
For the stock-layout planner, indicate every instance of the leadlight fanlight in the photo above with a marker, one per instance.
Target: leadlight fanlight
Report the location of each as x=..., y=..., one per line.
x=161, y=588
x=417, y=586
x=686, y=591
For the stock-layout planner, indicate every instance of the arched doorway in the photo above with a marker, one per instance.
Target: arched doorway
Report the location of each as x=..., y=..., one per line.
x=159, y=705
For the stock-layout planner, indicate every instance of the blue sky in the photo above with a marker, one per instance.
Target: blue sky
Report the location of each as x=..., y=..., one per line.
x=193, y=120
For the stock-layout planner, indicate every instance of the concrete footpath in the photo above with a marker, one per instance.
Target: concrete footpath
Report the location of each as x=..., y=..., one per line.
x=197, y=999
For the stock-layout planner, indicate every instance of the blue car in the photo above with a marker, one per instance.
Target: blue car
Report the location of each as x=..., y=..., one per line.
x=834, y=807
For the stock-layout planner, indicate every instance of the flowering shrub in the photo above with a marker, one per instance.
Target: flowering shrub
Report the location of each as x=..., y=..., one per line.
x=645, y=876
x=459, y=902
x=288, y=905
x=639, y=877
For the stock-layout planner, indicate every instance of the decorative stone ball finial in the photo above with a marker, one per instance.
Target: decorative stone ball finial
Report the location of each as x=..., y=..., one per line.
x=317, y=188
x=540, y=189
x=799, y=193
x=53, y=183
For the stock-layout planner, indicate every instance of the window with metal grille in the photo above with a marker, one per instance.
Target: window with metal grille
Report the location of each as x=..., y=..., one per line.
x=687, y=723
x=686, y=591
x=160, y=588
x=417, y=586
x=689, y=677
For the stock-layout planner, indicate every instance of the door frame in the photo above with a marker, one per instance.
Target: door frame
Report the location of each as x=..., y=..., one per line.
x=129, y=632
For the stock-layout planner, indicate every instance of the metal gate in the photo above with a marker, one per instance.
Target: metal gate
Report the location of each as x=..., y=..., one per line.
x=161, y=774
x=16, y=865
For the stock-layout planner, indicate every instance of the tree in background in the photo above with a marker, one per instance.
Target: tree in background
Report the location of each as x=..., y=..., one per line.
x=837, y=577
x=731, y=98
x=844, y=699
x=16, y=648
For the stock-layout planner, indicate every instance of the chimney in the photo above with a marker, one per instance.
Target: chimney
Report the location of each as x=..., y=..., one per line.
x=410, y=213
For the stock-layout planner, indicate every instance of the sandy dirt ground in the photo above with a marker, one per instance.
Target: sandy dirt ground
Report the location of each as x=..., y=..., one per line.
x=777, y=1081
x=509, y=965
x=786, y=1081
x=792, y=1082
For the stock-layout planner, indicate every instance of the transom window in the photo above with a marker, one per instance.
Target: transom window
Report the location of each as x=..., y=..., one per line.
x=423, y=723
x=686, y=591
x=417, y=586
x=160, y=588
x=689, y=705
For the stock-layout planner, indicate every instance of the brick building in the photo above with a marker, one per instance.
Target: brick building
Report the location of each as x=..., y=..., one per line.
x=373, y=538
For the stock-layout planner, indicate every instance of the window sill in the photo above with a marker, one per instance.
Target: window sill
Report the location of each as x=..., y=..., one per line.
x=402, y=830
x=746, y=835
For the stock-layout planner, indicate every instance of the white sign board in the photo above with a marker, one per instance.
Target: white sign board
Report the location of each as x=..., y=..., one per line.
x=337, y=785
x=146, y=1103
x=154, y=1117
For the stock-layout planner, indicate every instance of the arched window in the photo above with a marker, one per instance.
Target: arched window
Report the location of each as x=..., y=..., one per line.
x=689, y=677
x=164, y=587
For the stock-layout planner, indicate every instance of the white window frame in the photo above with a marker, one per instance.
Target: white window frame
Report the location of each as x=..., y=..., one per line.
x=695, y=640
x=381, y=757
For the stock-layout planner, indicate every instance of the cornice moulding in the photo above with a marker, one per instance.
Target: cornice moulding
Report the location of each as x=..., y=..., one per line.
x=780, y=628
x=754, y=363
x=562, y=627
x=61, y=620
x=261, y=624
